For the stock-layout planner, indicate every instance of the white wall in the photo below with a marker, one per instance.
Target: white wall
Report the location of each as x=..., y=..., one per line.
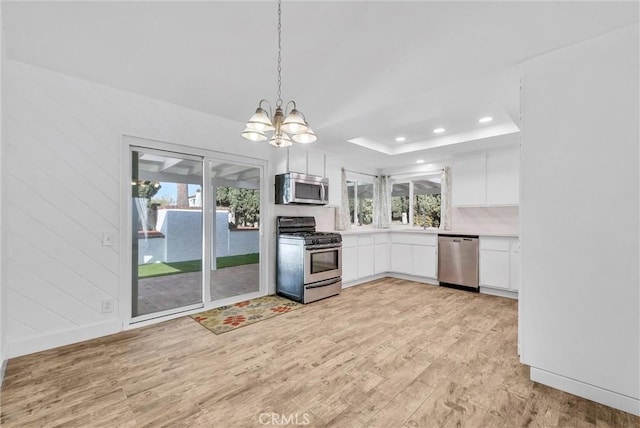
x=2, y=141
x=62, y=160
x=580, y=295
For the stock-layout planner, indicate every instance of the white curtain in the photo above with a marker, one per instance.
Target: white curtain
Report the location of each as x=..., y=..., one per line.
x=343, y=219
x=445, y=199
x=382, y=201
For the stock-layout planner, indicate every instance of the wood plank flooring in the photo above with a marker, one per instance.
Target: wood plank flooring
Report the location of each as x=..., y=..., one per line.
x=390, y=353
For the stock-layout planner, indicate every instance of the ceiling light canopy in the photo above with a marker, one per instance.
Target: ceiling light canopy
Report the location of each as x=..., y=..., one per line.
x=286, y=125
x=439, y=130
x=420, y=161
x=485, y=119
x=400, y=139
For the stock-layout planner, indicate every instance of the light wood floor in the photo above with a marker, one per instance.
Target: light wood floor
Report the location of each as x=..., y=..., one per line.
x=389, y=353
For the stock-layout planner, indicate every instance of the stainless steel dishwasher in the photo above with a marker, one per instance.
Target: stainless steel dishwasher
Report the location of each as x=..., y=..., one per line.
x=458, y=260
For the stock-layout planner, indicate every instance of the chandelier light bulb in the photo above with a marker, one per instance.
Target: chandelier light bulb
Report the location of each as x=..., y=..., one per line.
x=260, y=121
x=253, y=135
x=305, y=138
x=293, y=126
x=294, y=123
x=280, y=140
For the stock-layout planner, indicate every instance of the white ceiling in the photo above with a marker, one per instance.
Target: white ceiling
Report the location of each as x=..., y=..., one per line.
x=359, y=70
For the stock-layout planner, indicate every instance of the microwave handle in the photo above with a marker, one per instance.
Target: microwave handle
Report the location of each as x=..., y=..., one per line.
x=322, y=192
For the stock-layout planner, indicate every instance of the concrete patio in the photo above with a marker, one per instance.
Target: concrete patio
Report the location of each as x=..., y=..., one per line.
x=173, y=291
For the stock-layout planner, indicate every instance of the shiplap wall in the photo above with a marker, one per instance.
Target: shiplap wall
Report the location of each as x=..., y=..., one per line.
x=2, y=357
x=62, y=159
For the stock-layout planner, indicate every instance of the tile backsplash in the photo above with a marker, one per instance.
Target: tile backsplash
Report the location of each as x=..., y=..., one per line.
x=485, y=220
x=472, y=220
x=325, y=216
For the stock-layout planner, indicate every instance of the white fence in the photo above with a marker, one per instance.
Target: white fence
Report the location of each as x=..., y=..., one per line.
x=182, y=238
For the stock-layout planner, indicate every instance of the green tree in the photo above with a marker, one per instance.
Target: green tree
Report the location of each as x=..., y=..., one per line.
x=164, y=201
x=365, y=211
x=243, y=203
x=426, y=210
x=399, y=205
x=145, y=189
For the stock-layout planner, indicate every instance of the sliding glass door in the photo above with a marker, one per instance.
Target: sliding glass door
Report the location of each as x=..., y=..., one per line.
x=167, y=231
x=195, y=231
x=235, y=237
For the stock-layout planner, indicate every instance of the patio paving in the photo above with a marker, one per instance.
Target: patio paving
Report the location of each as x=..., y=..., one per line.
x=174, y=291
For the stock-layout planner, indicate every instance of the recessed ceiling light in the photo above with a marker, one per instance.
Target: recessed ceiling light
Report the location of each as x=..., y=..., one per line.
x=400, y=139
x=486, y=119
x=439, y=130
x=420, y=161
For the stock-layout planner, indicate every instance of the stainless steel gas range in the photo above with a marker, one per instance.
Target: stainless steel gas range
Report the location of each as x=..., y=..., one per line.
x=308, y=263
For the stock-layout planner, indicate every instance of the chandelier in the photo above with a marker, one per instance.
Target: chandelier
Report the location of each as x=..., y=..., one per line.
x=286, y=125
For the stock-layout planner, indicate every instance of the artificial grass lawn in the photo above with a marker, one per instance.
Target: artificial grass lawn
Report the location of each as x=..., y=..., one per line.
x=162, y=269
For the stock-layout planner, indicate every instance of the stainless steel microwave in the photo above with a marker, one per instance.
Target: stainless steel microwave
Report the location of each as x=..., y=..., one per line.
x=296, y=188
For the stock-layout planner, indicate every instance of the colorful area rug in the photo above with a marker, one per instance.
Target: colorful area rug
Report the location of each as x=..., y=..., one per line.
x=227, y=318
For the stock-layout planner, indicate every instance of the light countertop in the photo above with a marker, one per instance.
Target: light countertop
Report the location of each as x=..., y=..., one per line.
x=365, y=231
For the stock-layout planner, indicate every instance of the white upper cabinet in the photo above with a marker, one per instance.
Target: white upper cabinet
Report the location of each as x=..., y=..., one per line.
x=489, y=179
x=468, y=181
x=306, y=161
x=316, y=162
x=503, y=177
x=297, y=159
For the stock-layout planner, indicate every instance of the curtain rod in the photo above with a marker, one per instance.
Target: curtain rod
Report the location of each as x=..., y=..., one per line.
x=361, y=173
x=436, y=171
x=417, y=173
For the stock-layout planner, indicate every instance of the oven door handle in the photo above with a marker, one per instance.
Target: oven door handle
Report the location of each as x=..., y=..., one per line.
x=321, y=247
x=323, y=283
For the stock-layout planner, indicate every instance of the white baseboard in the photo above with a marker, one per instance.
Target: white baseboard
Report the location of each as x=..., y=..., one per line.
x=3, y=367
x=363, y=280
x=498, y=292
x=591, y=392
x=422, y=279
x=67, y=337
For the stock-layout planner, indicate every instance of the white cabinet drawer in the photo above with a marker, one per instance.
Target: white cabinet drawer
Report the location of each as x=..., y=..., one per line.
x=494, y=244
x=365, y=240
x=381, y=238
x=415, y=239
x=349, y=241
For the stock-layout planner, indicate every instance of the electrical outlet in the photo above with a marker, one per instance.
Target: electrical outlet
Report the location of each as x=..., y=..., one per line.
x=106, y=239
x=107, y=306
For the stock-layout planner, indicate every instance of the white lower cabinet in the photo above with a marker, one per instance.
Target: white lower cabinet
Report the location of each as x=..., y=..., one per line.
x=424, y=261
x=349, y=258
x=499, y=263
x=365, y=261
x=349, y=264
x=514, y=264
x=415, y=254
x=381, y=256
x=364, y=256
x=401, y=258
